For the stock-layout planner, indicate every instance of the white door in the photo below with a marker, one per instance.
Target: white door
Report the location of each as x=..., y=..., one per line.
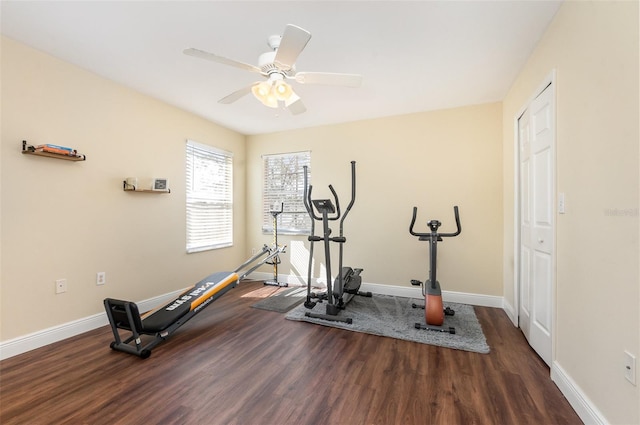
x=536, y=140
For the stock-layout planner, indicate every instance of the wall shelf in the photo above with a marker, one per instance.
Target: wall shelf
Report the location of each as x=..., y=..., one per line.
x=129, y=188
x=31, y=150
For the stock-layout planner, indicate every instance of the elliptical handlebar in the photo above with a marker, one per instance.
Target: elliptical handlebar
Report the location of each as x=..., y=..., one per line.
x=442, y=235
x=306, y=196
x=335, y=197
x=353, y=194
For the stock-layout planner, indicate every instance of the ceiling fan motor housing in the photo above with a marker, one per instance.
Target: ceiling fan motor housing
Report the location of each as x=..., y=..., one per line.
x=266, y=63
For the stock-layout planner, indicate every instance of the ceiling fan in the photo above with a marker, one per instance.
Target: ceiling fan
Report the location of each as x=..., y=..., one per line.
x=278, y=66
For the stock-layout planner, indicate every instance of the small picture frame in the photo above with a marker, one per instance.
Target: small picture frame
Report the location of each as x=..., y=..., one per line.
x=160, y=184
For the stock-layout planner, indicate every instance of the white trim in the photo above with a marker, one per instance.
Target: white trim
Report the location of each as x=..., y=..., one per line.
x=400, y=291
x=549, y=80
x=585, y=409
x=292, y=280
x=38, y=339
x=450, y=296
x=511, y=312
x=29, y=342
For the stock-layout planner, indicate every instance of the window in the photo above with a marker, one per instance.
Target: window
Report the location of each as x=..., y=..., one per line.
x=284, y=184
x=209, y=197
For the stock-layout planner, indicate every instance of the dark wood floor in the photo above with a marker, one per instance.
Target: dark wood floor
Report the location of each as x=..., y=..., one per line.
x=232, y=364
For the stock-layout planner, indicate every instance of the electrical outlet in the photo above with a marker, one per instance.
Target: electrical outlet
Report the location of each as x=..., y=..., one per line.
x=630, y=367
x=101, y=278
x=61, y=286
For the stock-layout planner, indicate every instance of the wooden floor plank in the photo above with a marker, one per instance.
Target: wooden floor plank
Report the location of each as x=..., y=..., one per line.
x=233, y=364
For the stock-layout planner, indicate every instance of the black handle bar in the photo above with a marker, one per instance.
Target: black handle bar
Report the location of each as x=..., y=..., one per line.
x=442, y=235
x=306, y=190
x=308, y=204
x=353, y=193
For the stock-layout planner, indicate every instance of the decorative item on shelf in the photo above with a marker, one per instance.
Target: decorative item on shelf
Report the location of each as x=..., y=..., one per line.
x=52, y=151
x=157, y=185
x=131, y=183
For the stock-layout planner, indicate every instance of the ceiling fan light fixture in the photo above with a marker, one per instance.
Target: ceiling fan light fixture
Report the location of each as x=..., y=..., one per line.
x=271, y=100
x=282, y=90
x=263, y=91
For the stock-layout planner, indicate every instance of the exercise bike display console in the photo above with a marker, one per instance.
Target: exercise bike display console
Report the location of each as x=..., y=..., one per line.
x=433, y=308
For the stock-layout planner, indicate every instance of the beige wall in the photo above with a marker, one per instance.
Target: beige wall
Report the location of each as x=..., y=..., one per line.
x=432, y=160
x=63, y=219
x=593, y=46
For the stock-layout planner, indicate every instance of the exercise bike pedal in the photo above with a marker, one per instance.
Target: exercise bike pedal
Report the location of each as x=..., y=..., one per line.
x=449, y=311
x=309, y=304
x=416, y=282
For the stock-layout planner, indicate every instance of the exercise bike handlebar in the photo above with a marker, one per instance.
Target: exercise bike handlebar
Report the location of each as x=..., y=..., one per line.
x=442, y=235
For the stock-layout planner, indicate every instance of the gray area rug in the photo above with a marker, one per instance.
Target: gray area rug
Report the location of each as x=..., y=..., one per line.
x=391, y=316
x=282, y=301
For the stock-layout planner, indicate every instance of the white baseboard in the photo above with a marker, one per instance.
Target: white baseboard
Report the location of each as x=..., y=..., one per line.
x=29, y=342
x=400, y=291
x=511, y=312
x=450, y=296
x=284, y=278
x=38, y=339
x=576, y=398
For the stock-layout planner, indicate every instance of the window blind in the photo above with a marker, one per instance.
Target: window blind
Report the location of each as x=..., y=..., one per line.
x=209, y=179
x=283, y=181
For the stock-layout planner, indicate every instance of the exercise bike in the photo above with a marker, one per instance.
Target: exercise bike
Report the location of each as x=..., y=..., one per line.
x=348, y=282
x=433, y=308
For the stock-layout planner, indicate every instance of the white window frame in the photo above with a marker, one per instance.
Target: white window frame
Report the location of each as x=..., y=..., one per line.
x=209, y=197
x=283, y=183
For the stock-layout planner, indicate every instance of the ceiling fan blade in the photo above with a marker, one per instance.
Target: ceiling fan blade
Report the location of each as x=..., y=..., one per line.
x=295, y=105
x=236, y=95
x=293, y=42
x=328, y=78
x=220, y=59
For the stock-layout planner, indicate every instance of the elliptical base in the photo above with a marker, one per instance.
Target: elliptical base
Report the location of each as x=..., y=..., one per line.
x=347, y=320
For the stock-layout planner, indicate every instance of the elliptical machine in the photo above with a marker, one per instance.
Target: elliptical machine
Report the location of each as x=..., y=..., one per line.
x=348, y=282
x=433, y=308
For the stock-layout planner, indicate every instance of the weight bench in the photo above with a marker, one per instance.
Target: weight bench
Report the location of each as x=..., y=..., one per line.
x=162, y=322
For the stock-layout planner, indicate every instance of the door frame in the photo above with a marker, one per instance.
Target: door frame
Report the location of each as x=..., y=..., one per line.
x=549, y=80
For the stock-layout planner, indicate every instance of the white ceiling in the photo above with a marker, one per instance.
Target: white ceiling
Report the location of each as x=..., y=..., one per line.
x=414, y=56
